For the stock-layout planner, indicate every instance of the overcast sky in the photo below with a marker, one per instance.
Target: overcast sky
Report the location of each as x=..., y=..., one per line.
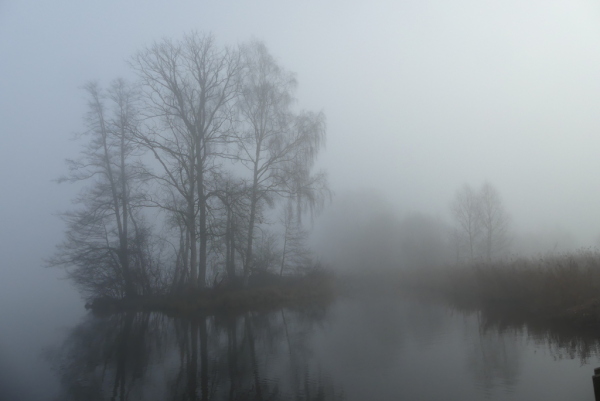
x=420, y=98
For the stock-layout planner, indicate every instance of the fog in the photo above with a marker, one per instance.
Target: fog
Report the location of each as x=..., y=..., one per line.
x=421, y=98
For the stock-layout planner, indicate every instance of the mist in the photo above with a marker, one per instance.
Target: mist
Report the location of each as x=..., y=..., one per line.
x=419, y=100
x=430, y=97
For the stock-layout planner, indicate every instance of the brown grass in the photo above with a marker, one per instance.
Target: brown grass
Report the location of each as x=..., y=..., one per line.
x=563, y=286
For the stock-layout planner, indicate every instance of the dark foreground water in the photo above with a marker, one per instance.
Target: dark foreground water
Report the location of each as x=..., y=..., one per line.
x=367, y=348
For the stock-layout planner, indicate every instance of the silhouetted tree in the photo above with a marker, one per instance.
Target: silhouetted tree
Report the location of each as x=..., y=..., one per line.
x=189, y=86
x=99, y=233
x=199, y=111
x=233, y=206
x=277, y=145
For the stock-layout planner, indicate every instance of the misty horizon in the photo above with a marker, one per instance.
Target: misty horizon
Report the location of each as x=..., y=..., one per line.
x=417, y=101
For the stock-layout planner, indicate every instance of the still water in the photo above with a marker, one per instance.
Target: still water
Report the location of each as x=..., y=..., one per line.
x=369, y=347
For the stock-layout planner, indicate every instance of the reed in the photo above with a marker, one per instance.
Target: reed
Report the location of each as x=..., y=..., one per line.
x=565, y=286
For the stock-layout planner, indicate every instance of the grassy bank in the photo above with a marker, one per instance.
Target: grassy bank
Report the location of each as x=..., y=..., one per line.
x=560, y=287
x=229, y=299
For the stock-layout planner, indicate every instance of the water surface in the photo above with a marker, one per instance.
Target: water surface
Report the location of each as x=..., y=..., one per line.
x=365, y=347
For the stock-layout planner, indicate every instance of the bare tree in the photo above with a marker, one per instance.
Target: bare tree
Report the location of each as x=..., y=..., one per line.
x=481, y=222
x=200, y=110
x=176, y=188
x=494, y=221
x=466, y=209
x=294, y=253
x=276, y=145
x=99, y=236
x=232, y=194
x=189, y=86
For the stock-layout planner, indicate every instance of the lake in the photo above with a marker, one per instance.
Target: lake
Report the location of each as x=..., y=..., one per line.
x=365, y=347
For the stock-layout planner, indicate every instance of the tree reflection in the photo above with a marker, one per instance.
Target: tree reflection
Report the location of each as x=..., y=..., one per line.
x=149, y=356
x=564, y=340
x=107, y=358
x=496, y=351
x=494, y=357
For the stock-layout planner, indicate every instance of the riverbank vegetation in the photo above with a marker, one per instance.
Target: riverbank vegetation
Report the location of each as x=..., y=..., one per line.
x=263, y=292
x=563, y=287
x=383, y=252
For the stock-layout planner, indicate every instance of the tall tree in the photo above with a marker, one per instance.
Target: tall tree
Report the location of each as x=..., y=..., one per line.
x=174, y=151
x=276, y=145
x=99, y=235
x=190, y=85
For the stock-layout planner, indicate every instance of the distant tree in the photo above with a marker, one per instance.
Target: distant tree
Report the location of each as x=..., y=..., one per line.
x=481, y=222
x=494, y=221
x=101, y=241
x=466, y=209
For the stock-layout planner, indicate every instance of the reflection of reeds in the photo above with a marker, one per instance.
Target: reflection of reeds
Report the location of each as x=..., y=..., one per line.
x=554, y=299
x=560, y=287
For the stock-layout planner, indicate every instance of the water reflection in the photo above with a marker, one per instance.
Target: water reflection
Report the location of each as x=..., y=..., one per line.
x=507, y=344
x=494, y=357
x=108, y=358
x=149, y=356
x=375, y=348
x=563, y=340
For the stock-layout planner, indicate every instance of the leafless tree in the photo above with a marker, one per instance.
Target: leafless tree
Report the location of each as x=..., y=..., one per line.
x=99, y=234
x=277, y=145
x=466, y=209
x=494, y=221
x=189, y=87
x=176, y=189
x=232, y=212
x=481, y=222
x=198, y=111
x=294, y=253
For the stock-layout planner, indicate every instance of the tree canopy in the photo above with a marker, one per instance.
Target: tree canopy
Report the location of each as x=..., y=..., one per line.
x=207, y=144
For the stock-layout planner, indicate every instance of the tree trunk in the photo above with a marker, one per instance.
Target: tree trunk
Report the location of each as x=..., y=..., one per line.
x=203, y=235
x=200, y=147
x=123, y=235
x=249, y=256
x=191, y=217
x=285, y=237
x=253, y=202
x=229, y=245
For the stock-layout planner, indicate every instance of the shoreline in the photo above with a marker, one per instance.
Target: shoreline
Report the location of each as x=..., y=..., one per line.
x=294, y=291
x=561, y=288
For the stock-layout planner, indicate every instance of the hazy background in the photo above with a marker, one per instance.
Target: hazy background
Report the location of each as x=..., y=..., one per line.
x=420, y=98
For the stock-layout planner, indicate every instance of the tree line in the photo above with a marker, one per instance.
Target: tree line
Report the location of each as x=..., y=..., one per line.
x=185, y=166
